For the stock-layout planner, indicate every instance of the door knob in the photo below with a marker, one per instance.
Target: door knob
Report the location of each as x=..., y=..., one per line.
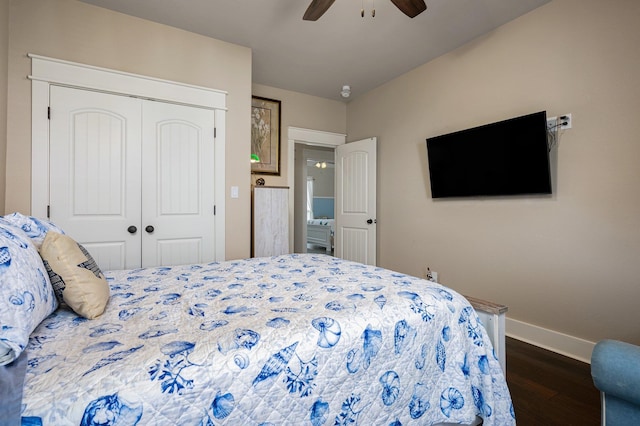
x=149, y=229
x=132, y=229
x=370, y=221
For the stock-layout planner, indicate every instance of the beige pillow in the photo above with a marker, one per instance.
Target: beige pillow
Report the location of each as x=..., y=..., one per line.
x=74, y=275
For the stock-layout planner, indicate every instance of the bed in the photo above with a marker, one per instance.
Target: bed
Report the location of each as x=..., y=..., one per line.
x=320, y=233
x=289, y=340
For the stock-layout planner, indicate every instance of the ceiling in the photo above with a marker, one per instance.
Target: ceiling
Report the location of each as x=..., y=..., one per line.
x=341, y=48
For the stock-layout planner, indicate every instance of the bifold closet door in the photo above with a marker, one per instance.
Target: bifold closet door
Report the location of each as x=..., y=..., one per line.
x=131, y=179
x=95, y=176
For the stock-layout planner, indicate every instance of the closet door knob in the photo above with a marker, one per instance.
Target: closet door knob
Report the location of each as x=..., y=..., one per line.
x=370, y=221
x=149, y=229
x=132, y=229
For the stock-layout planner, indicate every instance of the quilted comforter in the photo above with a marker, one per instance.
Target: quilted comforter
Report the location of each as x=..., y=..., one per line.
x=290, y=340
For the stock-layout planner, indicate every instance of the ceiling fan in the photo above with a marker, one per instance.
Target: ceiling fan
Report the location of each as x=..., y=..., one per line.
x=411, y=8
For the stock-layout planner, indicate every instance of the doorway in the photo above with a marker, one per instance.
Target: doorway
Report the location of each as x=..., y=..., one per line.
x=355, y=194
x=299, y=140
x=319, y=197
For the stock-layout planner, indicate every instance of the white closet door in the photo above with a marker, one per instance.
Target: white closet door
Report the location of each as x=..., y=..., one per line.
x=178, y=185
x=95, y=172
x=133, y=180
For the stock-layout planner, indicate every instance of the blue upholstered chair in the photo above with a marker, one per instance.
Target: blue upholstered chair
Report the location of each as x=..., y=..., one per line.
x=615, y=368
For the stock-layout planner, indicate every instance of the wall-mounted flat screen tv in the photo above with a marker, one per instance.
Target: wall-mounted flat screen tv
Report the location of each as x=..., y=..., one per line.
x=510, y=157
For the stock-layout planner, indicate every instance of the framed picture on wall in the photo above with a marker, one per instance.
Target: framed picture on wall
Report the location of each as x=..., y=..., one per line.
x=265, y=136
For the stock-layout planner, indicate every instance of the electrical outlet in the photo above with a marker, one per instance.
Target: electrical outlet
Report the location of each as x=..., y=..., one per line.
x=559, y=123
x=565, y=119
x=431, y=275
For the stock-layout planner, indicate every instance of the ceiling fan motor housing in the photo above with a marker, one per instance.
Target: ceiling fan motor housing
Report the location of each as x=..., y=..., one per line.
x=411, y=8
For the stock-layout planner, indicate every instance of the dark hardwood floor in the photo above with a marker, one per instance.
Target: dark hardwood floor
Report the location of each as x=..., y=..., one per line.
x=550, y=389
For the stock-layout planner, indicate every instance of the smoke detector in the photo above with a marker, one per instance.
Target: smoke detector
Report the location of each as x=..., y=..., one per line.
x=346, y=91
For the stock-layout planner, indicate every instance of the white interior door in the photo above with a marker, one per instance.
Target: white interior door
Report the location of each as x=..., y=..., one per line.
x=95, y=172
x=178, y=185
x=356, y=173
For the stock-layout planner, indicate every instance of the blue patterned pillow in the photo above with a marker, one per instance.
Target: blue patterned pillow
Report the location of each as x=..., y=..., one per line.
x=26, y=295
x=35, y=228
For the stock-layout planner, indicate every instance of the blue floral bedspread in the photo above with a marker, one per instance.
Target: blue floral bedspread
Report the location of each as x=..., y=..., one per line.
x=290, y=340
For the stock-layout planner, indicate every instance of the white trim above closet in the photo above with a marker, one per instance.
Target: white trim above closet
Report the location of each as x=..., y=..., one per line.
x=65, y=73
x=46, y=72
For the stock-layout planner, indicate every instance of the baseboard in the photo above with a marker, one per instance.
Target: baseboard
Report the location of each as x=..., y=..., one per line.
x=554, y=341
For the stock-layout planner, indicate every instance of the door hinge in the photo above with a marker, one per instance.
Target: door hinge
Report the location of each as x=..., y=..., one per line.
x=215, y=132
x=214, y=210
x=49, y=113
x=48, y=212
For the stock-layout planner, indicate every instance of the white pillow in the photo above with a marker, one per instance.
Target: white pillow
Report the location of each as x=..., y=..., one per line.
x=35, y=228
x=26, y=295
x=77, y=280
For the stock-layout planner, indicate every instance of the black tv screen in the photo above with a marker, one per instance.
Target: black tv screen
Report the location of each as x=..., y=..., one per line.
x=510, y=157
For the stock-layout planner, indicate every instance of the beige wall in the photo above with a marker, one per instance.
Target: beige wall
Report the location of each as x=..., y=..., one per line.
x=4, y=61
x=571, y=262
x=324, y=181
x=75, y=31
x=304, y=111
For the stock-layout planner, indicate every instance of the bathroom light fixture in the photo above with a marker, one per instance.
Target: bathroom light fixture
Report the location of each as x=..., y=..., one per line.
x=346, y=91
x=322, y=165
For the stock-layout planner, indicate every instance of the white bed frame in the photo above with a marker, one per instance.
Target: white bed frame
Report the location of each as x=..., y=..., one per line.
x=319, y=235
x=492, y=315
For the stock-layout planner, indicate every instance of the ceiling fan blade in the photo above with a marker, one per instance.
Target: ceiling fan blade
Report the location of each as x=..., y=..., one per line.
x=316, y=9
x=411, y=8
